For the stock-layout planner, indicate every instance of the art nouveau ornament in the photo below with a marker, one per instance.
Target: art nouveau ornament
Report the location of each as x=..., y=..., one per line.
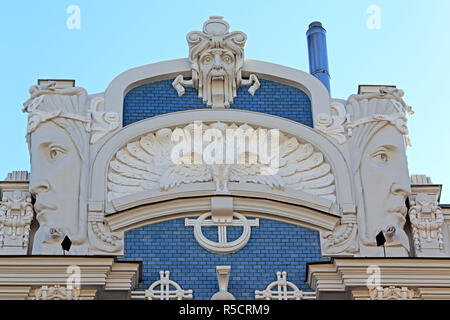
x=217, y=58
x=343, y=240
x=168, y=158
x=332, y=125
x=102, y=123
x=391, y=293
x=16, y=214
x=223, y=277
x=284, y=290
x=426, y=219
x=223, y=246
x=59, y=126
x=56, y=293
x=377, y=130
x=164, y=289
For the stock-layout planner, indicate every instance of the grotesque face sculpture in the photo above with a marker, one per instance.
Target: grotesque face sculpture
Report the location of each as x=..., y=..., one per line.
x=386, y=185
x=217, y=58
x=217, y=71
x=55, y=182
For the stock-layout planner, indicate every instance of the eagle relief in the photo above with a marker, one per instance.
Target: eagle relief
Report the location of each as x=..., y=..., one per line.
x=219, y=153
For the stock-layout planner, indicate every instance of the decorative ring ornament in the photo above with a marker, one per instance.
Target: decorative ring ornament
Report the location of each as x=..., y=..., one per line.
x=222, y=247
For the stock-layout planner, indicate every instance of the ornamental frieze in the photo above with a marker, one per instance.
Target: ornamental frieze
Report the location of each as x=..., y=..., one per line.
x=219, y=153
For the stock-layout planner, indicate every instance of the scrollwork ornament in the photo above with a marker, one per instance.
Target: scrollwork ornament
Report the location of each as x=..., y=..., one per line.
x=333, y=125
x=344, y=239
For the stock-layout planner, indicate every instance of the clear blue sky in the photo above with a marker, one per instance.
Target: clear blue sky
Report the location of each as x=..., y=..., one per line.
x=410, y=50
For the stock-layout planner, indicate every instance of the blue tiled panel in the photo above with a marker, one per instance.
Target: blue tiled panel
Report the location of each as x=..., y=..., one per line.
x=274, y=246
x=272, y=98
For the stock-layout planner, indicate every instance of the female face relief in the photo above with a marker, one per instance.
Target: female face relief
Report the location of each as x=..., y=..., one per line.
x=386, y=185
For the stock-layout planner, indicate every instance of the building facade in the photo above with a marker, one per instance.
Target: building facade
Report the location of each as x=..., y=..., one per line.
x=219, y=177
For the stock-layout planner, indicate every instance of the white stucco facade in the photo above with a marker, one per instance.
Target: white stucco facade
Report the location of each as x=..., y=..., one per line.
x=93, y=179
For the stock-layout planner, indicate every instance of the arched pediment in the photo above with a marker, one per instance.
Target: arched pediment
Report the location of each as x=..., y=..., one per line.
x=168, y=70
x=115, y=168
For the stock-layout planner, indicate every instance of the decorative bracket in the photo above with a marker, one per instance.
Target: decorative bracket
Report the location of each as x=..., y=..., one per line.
x=333, y=125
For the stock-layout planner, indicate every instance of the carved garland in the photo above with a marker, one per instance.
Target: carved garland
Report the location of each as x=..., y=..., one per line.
x=427, y=220
x=56, y=293
x=161, y=290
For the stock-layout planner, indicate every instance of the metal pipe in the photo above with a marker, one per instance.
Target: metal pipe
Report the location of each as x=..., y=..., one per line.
x=317, y=51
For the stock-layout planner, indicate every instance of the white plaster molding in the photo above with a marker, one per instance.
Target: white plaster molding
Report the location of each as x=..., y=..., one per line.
x=56, y=293
x=16, y=214
x=102, y=239
x=426, y=219
x=420, y=179
x=398, y=118
x=161, y=290
x=216, y=57
x=377, y=133
x=123, y=276
x=61, y=168
x=391, y=293
x=223, y=277
x=257, y=191
x=167, y=70
x=188, y=208
x=15, y=293
x=285, y=290
x=334, y=157
x=343, y=240
x=332, y=125
x=18, y=176
x=222, y=223
x=148, y=164
x=344, y=275
x=102, y=123
x=97, y=273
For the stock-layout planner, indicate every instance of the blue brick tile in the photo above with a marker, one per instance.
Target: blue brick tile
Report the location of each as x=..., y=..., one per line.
x=274, y=246
x=273, y=98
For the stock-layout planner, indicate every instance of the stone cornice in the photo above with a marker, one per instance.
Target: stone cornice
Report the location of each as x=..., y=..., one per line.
x=190, y=207
x=430, y=277
x=19, y=274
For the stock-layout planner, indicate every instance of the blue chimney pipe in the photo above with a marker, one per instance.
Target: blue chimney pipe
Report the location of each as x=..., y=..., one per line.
x=317, y=50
